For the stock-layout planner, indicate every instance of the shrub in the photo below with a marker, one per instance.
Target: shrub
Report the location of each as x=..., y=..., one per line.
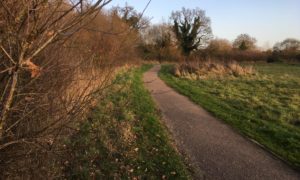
x=274, y=58
x=54, y=83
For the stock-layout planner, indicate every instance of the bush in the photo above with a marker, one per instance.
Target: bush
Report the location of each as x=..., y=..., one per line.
x=298, y=57
x=53, y=88
x=284, y=56
x=274, y=58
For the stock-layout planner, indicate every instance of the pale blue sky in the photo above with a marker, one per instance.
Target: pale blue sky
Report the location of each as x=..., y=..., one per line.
x=269, y=21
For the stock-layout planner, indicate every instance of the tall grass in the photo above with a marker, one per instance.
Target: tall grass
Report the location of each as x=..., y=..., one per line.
x=211, y=68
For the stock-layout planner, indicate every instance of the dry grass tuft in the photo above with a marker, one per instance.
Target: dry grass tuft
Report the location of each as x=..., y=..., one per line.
x=211, y=69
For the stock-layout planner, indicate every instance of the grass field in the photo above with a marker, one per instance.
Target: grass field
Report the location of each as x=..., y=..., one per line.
x=264, y=107
x=123, y=138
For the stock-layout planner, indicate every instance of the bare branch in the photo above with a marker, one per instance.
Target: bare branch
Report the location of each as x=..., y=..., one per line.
x=6, y=53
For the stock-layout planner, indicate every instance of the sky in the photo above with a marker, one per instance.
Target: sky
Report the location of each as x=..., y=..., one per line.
x=269, y=21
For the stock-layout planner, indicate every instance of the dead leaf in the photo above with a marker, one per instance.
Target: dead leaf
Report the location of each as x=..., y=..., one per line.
x=50, y=33
x=34, y=69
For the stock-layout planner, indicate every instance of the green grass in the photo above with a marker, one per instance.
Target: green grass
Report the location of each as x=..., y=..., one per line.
x=265, y=107
x=123, y=138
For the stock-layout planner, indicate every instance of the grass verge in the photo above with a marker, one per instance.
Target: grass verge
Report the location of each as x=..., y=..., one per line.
x=123, y=137
x=265, y=108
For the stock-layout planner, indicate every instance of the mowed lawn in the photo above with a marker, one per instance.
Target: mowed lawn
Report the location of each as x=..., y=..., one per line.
x=264, y=107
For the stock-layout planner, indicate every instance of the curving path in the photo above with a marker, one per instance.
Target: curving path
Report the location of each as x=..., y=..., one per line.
x=211, y=146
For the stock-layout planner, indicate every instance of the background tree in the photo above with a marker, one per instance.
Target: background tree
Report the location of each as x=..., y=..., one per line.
x=192, y=29
x=287, y=50
x=133, y=18
x=244, y=42
x=157, y=42
x=219, y=46
x=289, y=44
x=162, y=41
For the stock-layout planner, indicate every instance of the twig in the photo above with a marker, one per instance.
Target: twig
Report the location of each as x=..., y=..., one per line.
x=9, y=57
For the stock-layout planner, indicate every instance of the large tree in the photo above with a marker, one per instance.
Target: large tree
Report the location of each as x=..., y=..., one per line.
x=192, y=29
x=244, y=42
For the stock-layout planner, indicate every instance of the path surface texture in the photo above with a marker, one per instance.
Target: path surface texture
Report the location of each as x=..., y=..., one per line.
x=214, y=149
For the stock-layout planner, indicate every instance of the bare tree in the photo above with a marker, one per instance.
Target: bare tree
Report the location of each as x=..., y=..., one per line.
x=192, y=29
x=159, y=38
x=133, y=18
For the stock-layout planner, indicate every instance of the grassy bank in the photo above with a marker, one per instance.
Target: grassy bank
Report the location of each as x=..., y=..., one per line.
x=264, y=107
x=123, y=137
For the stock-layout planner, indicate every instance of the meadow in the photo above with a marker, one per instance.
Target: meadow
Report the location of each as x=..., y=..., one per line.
x=265, y=107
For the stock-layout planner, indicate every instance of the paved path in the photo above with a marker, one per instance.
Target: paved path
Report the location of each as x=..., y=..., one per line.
x=212, y=147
